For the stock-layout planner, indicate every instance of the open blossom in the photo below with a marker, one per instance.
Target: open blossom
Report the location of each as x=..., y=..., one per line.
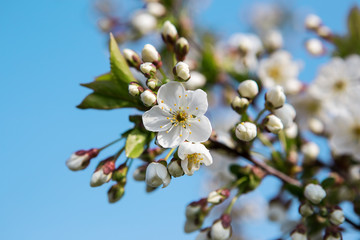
x=179, y=116
x=192, y=155
x=280, y=69
x=197, y=80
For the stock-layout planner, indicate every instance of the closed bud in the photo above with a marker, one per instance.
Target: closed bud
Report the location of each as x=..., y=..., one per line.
x=181, y=48
x=299, y=233
x=240, y=104
x=119, y=174
x=246, y=131
x=103, y=172
x=169, y=33
x=273, y=124
x=306, y=210
x=275, y=98
x=310, y=150
x=156, y=175
x=194, y=209
x=204, y=234
x=182, y=72
x=312, y=22
x=148, y=98
x=333, y=234
x=248, y=89
x=218, y=196
x=314, y=193
x=153, y=83
x=132, y=58
x=116, y=192
x=148, y=69
x=135, y=89
x=354, y=172
x=139, y=173
x=292, y=131
x=324, y=32
x=175, y=168
x=81, y=159
x=143, y=22
x=316, y=126
x=315, y=47
x=150, y=54
x=221, y=228
x=337, y=216
x=273, y=40
x=156, y=9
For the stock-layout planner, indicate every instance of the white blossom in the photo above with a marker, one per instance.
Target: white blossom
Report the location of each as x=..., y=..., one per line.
x=287, y=115
x=248, y=89
x=197, y=80
x=292, y=131
x=310, y=150
x=280, y=69
x=337, y=217
x=273, y=124
x=156, y=175
x=179, y=116
x=275, y=97
x=148, y=98
x=314, y=193
x=192, y=155
x=246, y=131
x=143, y=22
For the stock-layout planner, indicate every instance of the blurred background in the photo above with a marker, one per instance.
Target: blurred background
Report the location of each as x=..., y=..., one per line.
x=49, y=47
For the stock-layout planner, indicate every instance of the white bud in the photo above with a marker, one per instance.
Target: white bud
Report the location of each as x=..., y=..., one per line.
x=324, y=32
x=203, y=234
x=287, y=115
x=81, y=159
x=316, y=126
x=175, y=168
x=354, y=173
x=148, y=69
x=292, y=131
x=150, y=54
x=275, y=97
x=240, y=104
x=192, y=211
x=139, y=173
x=221, y=228
x=298, y=236
x=273, y=40
x=156, y=175
x=143, y=22
x=310, y=150
x=248, y=89
x=197, y=80
x=135, y=89
x=182, y=71
x=273, y=124
x=337, y=217
x=331, y=237
x=169, y=32
x=315, y=47
x=246, y=131
x=99, y=178
x=132, y=58
x=306, y=210
x=312, y=21
x=192, y=225
x=148, y=98
x=156, y=9
x=314, y=193
x=218, y=196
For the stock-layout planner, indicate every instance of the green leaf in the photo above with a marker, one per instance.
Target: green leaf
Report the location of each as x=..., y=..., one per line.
x=119, y=67
x=99, y=101
x=294, y=190
x=354, y=23
x=327, y=182
x=135, y=143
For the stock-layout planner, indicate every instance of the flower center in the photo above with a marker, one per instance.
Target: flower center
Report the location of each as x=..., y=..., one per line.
x=193, y=159
x=274, y=72
x=180, y=116
x=356, y=131
x=340, y=85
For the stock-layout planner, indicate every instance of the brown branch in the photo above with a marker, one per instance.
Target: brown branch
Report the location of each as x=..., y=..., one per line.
x=270, y=170
x=352, y=223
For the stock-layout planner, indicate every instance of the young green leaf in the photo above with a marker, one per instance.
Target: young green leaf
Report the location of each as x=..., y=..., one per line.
x=135, y=143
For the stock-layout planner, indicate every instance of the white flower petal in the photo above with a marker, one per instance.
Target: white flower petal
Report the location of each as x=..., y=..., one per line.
x=200, y=129
x=168, y=95
x=198, y=103
x=155, y=119
x=173, y=137
x=184, y=149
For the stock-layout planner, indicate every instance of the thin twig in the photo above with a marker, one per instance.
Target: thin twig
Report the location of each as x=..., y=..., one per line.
x=352, y=223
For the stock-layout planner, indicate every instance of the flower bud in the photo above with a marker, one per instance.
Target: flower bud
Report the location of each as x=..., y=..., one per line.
x=196, y=81
x=148, y=98
x=193, y=210
x=204, y=234
x=275, y=98
x=324, y=32
x=315, y=47
x=218, y=196
x=135, y=89
x=354, y=173
x=143, y=22
x=169, y=33
x=175, y=168
x=192, y=225
x=182, y=71
x=119, y=174
x=273, y=124
x=150, y=54
x=298, y=236
x=181, y=48
x=139, y=173
x=240, y=104
x=306, y=210
x=314, y=193
x=153, y=83
x=221, y=228
x=156, y=9
x=310, y=150
x=337, y=216
x=246, y=131
x=81, y=159
x=248, y=89
x=273, y=40
x=132, y=58
x=116, y=192
x=312, y=22
x=103, y=172
x=148, y=69
x=156, y=175
x=333, y=235
x=316, y=126
x=292, y=131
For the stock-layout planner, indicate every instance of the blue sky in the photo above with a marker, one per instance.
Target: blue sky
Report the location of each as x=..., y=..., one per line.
x=49, y=47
